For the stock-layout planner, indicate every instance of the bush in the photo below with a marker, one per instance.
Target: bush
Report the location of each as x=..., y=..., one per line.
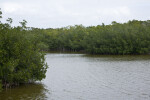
x=21, y=60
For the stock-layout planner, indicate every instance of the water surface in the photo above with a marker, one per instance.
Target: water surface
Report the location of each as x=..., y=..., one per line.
x=84, y=77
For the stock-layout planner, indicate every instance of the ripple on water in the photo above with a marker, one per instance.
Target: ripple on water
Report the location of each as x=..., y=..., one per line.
x=84, y=77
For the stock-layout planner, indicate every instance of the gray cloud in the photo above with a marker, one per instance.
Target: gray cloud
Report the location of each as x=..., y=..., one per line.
x=60, y=13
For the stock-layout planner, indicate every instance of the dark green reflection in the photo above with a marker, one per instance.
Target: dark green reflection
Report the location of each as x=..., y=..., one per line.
x=35, y=91
x=119, y=57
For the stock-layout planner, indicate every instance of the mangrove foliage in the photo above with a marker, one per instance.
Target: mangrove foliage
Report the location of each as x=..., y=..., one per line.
x=132, y=37
x=21, y=59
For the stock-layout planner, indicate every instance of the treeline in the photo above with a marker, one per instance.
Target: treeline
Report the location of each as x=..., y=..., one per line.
x=21, y=60
x=132, y=37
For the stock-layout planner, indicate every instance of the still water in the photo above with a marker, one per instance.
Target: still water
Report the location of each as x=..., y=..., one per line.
x=83, y=77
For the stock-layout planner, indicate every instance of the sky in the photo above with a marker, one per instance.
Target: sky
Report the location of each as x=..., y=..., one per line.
x=62, y=13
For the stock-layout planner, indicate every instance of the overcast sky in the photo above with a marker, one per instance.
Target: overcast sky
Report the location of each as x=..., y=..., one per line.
x=61, y=13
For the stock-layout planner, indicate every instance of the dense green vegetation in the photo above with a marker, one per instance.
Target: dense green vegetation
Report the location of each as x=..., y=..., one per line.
x=21, y=59
x=132, y=37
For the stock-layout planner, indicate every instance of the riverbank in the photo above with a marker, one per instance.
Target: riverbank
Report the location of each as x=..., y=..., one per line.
x=81, y=52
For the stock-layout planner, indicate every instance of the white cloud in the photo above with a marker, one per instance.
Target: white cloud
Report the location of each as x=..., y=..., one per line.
x=19, y=8
x=116, y=11
x=9, y=7
x=59, y=13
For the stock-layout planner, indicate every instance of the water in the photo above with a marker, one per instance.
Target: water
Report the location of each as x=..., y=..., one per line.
x=83, y=77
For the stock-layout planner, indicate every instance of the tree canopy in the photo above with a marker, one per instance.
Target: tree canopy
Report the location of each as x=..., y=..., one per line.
x=21, y=59
x=132, y=37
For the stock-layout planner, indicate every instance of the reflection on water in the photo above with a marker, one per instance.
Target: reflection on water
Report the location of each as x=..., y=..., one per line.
x=35, y=91
x=118, y=57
